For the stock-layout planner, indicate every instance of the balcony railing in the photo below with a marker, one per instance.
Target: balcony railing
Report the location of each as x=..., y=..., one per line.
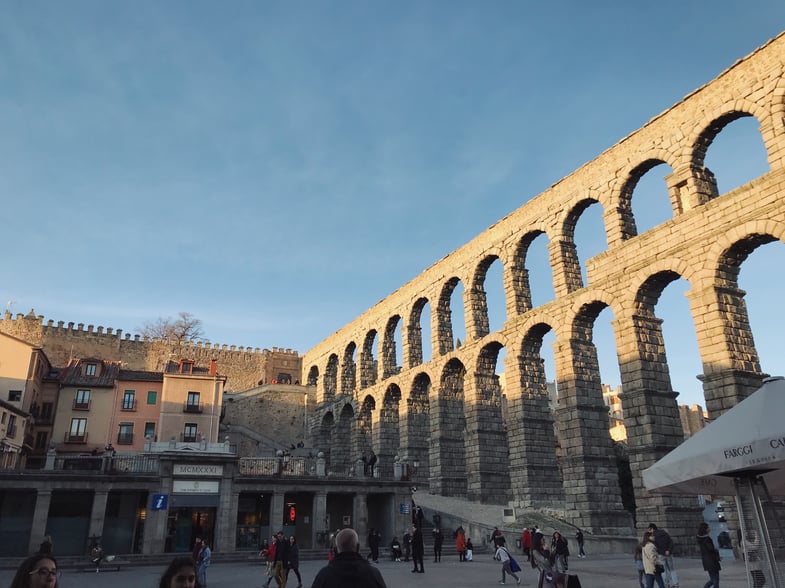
x=278, y=467
x=81, y=404
x=135, y=463
x=125, y=438
x=76, y=438
x=192, y=407
x=128, y=405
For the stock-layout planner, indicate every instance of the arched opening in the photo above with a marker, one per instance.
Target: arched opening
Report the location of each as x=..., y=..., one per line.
x=488, y=304
x=585, y=227
x=450, y=316
x=419, y=333
x=646, y=195
x=723, y=141
x=313, y=376
x=331, y=378
x=368, y=365
x=325, y=435
x=389, y=435
x=391, y=347
x=349, y=370
x=416, y=446
x=341, y=462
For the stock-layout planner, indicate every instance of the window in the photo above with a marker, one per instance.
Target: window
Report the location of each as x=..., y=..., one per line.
x=82, y=400
x=41, y=438
x=14, y=395
x=189, y=433
x=129, y=400
x=152, y=396
x=89, y=369
x=149, y=431
x=2, y=419
x=78, y=431
x=186, y=367
x=126, y=434
x=192, y=404
x=46, y=412
x=11, y=430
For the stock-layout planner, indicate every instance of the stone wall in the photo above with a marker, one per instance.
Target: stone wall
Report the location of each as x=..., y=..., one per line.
x=267, y=418
x=243, y=366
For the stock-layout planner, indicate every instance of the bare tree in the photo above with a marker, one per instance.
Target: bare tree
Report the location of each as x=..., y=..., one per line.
x=186, y=327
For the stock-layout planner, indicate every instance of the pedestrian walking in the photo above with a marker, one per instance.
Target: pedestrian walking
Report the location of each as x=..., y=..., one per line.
x=652, y=567
x=710, y=556
x=542, y=560
x=579, y=540
x=418, y=550
x=664, y=545
x=560, y=552
x=460, y=544
x=203, y=563
x=638, y=558
x=97, y=556
x=438, y=540
x=294, y=560
x=507, y=560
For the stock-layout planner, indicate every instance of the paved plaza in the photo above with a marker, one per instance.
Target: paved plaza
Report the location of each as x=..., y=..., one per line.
x=594, y=572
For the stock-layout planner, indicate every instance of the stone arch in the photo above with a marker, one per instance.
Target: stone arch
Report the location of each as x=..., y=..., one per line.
x=521, y=288
x=324, y=439
x=349, y=369
x=568, y=248
x=416, y=441
x=478, y=298
x=388, y=438
x=705, y=179
x=448, y=450
x=331, y=378
x=530, y=426
x=368, y=364
x=341, y=461
x=313, y=376
x=414, y=334
x=445, y=335
x=389, y=356
x=626, y=216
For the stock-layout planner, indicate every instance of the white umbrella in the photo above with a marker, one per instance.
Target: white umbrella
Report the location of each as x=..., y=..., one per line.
x=748, y=440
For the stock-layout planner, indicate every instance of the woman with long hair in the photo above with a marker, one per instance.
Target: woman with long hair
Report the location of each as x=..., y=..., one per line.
x=294, y=560
x=37, y=571
x=560, y=551
x=543, y=561
x=651, y=561
x=181, y=573
x=709, y=555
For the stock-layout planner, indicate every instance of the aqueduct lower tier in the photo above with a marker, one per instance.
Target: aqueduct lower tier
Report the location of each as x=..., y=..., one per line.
x=445, y=415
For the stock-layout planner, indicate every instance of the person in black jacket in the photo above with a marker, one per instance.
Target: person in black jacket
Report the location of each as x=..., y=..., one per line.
x=281, y=560
x=348, y=567
x=709, y=555
x=418, y=550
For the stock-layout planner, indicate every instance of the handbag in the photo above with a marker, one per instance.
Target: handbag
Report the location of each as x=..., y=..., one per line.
x=659, y=569
x=514, y=566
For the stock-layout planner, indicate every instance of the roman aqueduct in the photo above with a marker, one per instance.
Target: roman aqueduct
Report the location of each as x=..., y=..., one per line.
x=445, y=414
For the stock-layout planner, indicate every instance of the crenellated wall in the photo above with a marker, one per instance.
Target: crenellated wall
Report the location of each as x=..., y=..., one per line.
x=448, y=410
x=244, y=367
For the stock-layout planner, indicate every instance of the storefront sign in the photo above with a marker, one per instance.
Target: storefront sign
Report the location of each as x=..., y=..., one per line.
x=195, y=486
x=195, y=469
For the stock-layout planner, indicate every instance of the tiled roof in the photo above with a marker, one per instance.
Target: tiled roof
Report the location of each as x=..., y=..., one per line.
x=141, y=376
x=106, y=377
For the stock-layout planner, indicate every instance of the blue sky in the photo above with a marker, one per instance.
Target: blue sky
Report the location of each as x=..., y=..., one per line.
x=276, y=168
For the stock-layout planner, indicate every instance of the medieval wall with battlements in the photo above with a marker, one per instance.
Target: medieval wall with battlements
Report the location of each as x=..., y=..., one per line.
x=444, y=415
x=244, y=367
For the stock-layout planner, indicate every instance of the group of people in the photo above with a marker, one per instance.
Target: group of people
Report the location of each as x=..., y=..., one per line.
x=282, y=556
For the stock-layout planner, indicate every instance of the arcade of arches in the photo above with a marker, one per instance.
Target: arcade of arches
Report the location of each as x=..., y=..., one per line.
x=446, y=414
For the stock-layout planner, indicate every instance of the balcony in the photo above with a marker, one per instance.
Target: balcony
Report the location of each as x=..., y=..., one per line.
x=77, y=438
x=128, y=406
x=81, y=405
x=189, y=438
x=125, y=438
x=192, y=407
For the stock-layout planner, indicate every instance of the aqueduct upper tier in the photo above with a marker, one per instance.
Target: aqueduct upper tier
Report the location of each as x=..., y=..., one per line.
x=445, y=414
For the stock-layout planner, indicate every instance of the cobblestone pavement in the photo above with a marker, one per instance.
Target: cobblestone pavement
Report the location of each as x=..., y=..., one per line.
x=594, y=572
